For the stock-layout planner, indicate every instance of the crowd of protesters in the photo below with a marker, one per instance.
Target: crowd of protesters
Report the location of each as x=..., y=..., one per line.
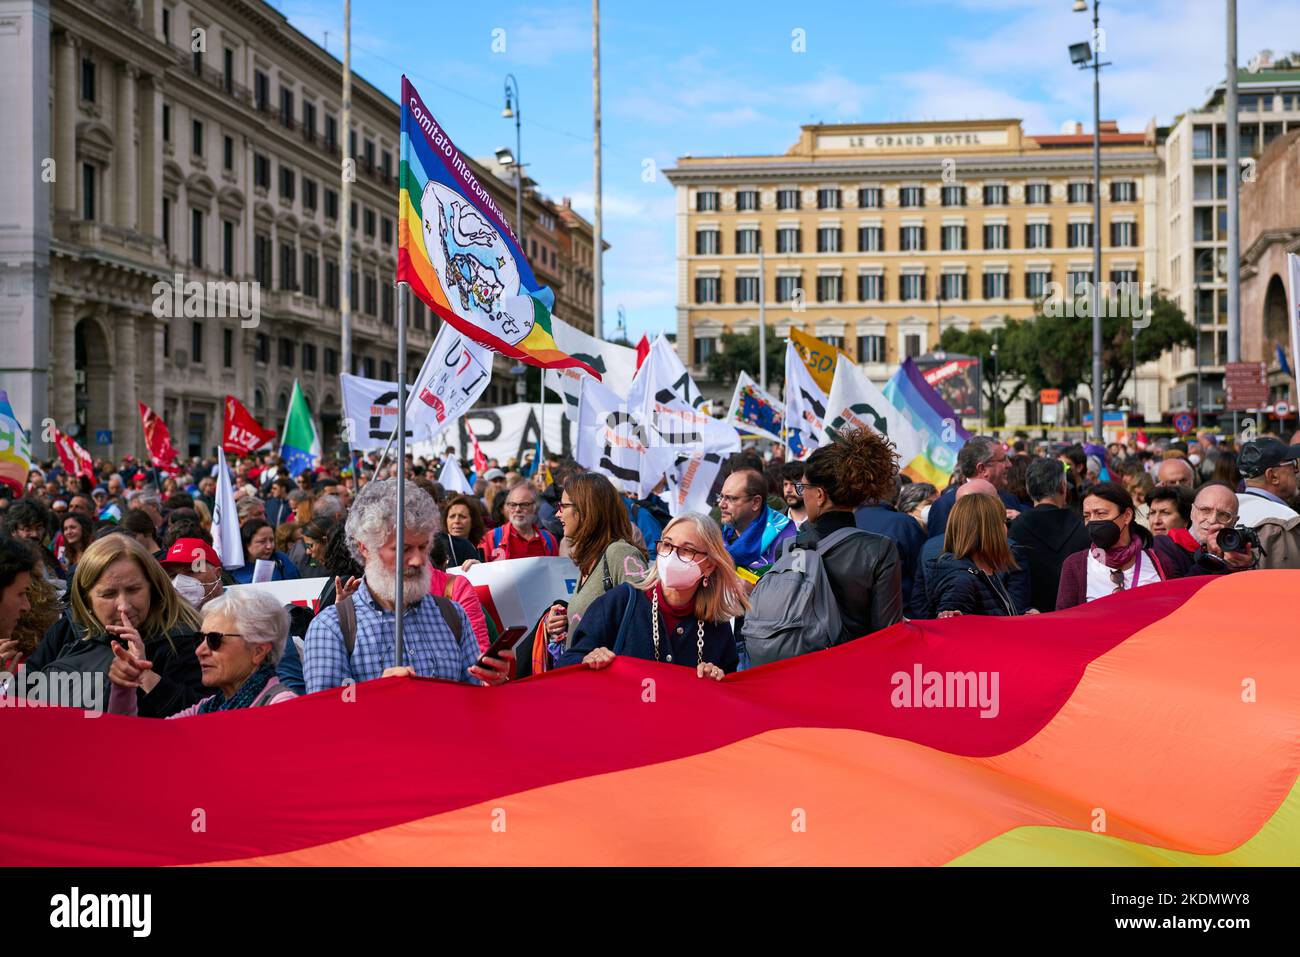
x=116, y=575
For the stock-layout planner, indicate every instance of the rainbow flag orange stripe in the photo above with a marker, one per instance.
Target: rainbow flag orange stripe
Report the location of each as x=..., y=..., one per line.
x=1155, y=727
x=477, y=277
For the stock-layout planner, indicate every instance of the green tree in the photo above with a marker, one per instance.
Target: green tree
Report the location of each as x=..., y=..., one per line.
x=739, y=353
x=1004, y=379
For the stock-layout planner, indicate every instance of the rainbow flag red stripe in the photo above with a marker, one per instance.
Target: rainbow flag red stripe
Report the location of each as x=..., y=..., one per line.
x=458, y=253
x=1156, y=727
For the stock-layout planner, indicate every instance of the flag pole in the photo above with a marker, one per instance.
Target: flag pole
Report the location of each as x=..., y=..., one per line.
x=399, y=609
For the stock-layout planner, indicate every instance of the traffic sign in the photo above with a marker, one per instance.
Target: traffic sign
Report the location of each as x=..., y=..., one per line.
x=104, y=436
x=1049, y=396
x=1281, y=410
x=1245, y=386
x=1184, y=422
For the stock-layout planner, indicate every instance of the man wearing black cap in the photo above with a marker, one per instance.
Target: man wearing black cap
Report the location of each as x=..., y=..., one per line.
x=1269, y=468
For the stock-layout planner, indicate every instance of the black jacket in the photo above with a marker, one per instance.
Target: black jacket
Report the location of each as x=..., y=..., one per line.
x=65, y=647
x=864, y=574
x=1048, y=535
x=956, y=584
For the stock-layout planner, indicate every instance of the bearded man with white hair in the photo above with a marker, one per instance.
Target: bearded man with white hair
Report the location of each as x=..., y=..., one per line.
x=353, y=640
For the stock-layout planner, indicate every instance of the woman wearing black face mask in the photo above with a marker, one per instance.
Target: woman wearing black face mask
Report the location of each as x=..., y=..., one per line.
x=1121, y=556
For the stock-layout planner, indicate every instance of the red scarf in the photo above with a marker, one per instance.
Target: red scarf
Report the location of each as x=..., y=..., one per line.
x=674, y=615
x=1183, y=538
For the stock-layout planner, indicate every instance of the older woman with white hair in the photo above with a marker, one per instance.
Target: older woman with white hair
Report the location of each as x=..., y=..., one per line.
x=679, y=613
x=242, y=639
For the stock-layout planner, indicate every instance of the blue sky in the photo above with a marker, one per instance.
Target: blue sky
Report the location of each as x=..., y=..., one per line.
x=712, y=78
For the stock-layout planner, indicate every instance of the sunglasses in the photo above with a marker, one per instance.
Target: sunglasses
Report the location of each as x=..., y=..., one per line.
x=213, y=638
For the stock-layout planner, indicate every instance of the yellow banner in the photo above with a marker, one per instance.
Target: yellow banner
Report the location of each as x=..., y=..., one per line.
x=817, y=356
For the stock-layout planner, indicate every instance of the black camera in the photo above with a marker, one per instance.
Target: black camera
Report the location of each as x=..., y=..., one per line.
x=1236, y=539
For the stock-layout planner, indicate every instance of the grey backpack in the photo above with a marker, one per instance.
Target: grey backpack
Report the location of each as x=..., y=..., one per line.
x=792, y=609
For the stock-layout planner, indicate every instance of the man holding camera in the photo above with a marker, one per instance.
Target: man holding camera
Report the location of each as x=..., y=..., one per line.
x=1269, y=468
x=1215, y=544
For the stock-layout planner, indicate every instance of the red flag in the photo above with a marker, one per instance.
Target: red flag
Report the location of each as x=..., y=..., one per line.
x=480, y=460
x=74, y=459
x=642, y=351
x=242, y=433
x=161, y=453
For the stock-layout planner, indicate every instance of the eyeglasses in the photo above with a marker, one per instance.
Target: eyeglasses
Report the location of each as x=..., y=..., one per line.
x=563, y=505
x=520, y=506
x=1204, y=511
x=213, y=638
x=735, y=498
x=800, y=487
x=686, y=553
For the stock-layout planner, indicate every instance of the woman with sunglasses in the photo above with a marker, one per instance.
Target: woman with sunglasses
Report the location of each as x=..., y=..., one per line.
x=600, y=542
x=242, y=637
x=680, y=613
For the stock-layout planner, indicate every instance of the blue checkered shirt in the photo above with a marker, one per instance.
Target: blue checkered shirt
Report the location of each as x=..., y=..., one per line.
x=429, y=645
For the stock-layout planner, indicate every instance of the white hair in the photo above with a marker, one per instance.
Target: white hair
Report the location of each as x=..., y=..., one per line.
x=373, y=516
x=259, y=617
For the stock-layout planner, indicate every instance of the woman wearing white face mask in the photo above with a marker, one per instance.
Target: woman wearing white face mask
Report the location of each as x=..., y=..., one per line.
x=680, y=613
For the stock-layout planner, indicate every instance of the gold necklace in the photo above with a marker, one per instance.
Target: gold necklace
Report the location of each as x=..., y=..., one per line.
x=699, y=632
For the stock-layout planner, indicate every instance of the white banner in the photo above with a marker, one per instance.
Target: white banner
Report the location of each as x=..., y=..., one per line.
x=610, y=440
x=295, y=591
x=453, y=376
x=856, y=401
x=690, y=481
x=225, y=521
x=370, y=412
x=805, y=406
x=453, y=479
x=1293, y=313
x=504, y=432
x=516, y=591
x=662, y=376
x=616, y=364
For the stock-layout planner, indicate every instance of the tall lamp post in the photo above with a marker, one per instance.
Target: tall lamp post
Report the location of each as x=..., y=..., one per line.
x=993, y=350
x=1088, y=56
x=513, y=110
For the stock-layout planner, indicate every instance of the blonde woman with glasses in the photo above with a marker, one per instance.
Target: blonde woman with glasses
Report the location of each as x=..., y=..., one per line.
x=680, y=613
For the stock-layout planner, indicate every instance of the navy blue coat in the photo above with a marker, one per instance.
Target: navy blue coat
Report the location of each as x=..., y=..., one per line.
x=906, y=534
x=955, y=584
x=936, y=520
x=602, y=627
x=1016, y=582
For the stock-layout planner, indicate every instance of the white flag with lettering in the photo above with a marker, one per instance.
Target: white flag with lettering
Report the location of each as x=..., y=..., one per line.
x=857, y=402
x=225, y=520
x=616, y=365
x=455, y=373
x=805, y=406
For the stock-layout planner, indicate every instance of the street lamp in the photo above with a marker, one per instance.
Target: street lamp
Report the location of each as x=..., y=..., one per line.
x=513, y=110
x=1080, y=58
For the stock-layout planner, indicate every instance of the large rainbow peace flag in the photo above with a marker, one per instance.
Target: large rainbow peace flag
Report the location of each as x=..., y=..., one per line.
x=1159, y=726
x=459, y=254
x=933, y=418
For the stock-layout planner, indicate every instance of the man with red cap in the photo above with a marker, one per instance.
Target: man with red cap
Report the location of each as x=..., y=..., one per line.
x=195, y=570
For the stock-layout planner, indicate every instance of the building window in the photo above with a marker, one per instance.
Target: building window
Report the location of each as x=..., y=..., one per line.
x=167, y=25
x=1036, y=283
x=386, y=233
x=309, y=194
x=747, y=199
x=871, y=348
x=286, y=353
x=705, y=346
x=167, y=123
x=869, y=287
x=331, y=133
x=1038, y=235
x=227, y=348
x=995, y=236
x=911, y=287
x=1079, y=235
x=331, y=205
x=196, y=60
x=309, y=120
x=953, y=286
x=1124, y=191
x=228, y=69
x=835, y=342
x=828, y=289
x=787, y=199
x=262, y=259
x=167, y=223
x=995, y=195
x=368, y=367
x=708, y=242
x=286, y=107
x=196, y=238
x=912, y=345
x=386, y=304
x=995, y=285
x=88, y=79
x=706, y=201
x=747, y=289
x=1076, y=283
x=871, y=239
x=788, y=287
x=1038, y=194
x=288, y=267
x=368, y=154
x=386, y=163
x=88, y=191
x=286, y=183
x=310, y=275
x=869, y=197
x=352, y=216
x=227, y=248
x=828, y=239
x=789, y=240
x=354, y=290
x=263, y=353
x=331, y=284
x=261, y=171
x=707, y=289
x=369, y=219
x=828, y=198
x=331, y=361
x=954, y=196
x=911, y=196
x=1123, y=234
x=953, y=237
x=372, y=295
x=1125, y=281
x=308, y=357
x=1080, y=192
x=228, y=153
x=196, y=137
x=911, y=238
x=261, y=90
x=167, y=340
x=1202, y=142
x=196, y=342
x=746, y=240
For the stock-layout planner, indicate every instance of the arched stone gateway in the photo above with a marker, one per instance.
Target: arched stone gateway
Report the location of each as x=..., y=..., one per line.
x=94, y=386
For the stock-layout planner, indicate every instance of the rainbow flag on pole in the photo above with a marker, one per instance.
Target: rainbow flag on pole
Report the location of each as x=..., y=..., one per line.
x=458, y=253
x=15, y=449
x=935, y=419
